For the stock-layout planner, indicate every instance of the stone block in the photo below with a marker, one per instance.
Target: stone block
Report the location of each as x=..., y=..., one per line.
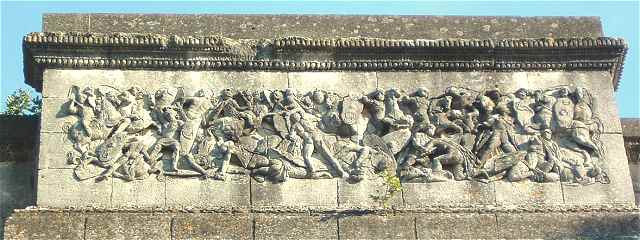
x=54, y=115
x=452, y=193
x=376, y=226
x=366, y=194
x=128, y=226
x=219, y=80
x=456, y=226
x=189, y=81
x=295, y=193
x=69, y=23
x=409, y=81
x=44, y=225
x=619, y=191
x=212, y=226
x=556, y=27
x=193, y=81
x=208, y=193
x=53, y=151
x=58, y=188
x=147, y=193
x=138, y=23
x=598, y=225
x=338, y=82
x=528, y=193
x=57, y=82
x=480, y=81
x=295, y=226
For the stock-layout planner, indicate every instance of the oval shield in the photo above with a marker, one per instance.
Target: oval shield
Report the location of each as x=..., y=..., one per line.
x=351, y=110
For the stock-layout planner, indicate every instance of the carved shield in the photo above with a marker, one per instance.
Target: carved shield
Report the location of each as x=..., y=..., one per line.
x=563, y=111
x=351, y=110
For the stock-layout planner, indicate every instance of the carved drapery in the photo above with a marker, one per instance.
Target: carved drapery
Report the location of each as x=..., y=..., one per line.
x=540, y=135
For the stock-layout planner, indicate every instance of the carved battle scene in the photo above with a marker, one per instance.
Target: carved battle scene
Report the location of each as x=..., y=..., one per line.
x=539, y=135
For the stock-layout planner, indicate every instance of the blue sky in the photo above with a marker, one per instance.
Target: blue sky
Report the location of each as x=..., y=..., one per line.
x=620, y=19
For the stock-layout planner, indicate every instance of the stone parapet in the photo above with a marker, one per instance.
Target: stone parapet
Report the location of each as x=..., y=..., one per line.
x=440, y=223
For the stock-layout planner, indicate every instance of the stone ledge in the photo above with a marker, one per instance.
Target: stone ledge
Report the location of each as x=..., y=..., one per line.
x=266, y=26
x=528, y=208
x=33, y=224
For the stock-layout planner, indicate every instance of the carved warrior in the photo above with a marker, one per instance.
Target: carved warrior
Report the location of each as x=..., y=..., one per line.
x=541, y=135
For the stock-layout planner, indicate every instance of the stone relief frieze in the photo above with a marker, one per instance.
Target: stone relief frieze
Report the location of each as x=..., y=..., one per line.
x=542, y=135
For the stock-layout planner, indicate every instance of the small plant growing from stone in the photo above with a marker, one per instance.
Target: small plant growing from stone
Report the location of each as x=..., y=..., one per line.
x=391, y=186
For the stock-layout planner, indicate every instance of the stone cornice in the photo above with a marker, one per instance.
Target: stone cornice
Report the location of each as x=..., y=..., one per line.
x=152, y=51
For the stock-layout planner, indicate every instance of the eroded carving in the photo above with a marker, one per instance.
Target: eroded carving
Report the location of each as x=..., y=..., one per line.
x=538, y=135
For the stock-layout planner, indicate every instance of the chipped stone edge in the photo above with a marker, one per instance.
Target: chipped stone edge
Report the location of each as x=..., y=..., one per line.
x=609, y=208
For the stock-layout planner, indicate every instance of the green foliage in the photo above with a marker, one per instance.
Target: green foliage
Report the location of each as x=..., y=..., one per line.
x=21, y=102
x=391, y=187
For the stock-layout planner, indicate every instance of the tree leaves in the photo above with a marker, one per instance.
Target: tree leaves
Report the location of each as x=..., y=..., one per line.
x=22, y=103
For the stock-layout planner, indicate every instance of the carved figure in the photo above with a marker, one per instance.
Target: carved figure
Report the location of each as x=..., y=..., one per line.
x=541, y=135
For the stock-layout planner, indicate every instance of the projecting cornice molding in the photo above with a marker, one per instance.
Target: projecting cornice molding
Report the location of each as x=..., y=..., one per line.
x=160, y=52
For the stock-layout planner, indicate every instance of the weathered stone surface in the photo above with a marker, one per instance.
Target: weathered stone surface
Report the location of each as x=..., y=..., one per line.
x=619, y=191
x=368, y=193
x=54, y=115
x=317, y=193
x=128, y=226
x=456, y=226
x=58, y=188
x=136, y=22
x=192, y=81
x=480, y=81
x=57, y=82
x=376, y=226
x=568, y=225
x=269, y=26
x=53, y=151
x=219, y=80
x=409, y=81
x=460, y=193
x=528, y=193
x=71, y=23
x=27, y=225
x=295, y=226
x=555, y=27
x=212, y=226
x=339, y=82
x=419, y=194
x=209, y=193
x=147, y=193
